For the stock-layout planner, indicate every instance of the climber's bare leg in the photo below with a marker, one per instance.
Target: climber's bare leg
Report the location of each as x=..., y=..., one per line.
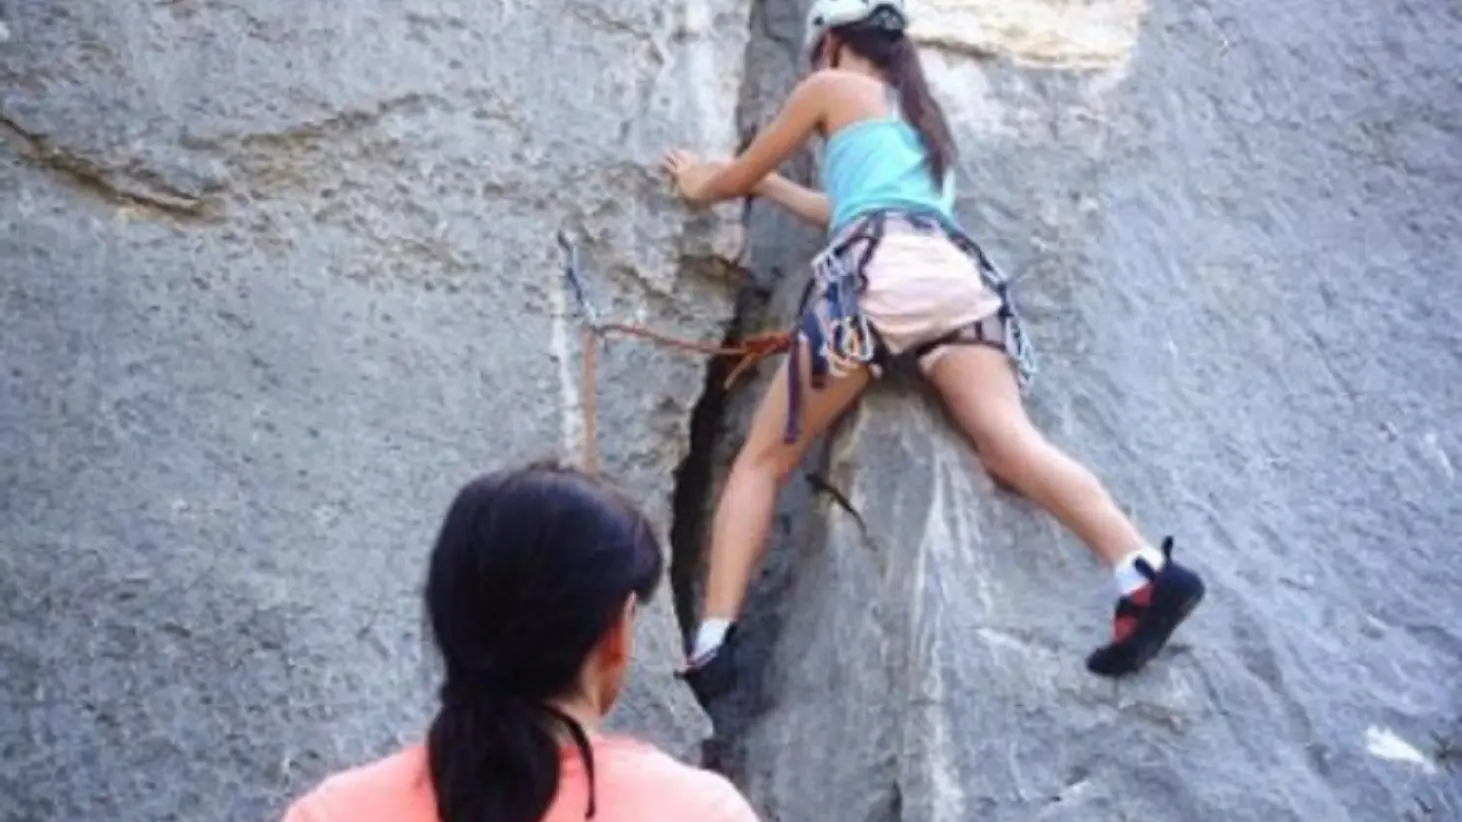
x=977, y=383
x=744, y=512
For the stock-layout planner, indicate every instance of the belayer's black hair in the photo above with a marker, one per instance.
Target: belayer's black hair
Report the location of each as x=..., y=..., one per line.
x=531, y=567
x=880, y=39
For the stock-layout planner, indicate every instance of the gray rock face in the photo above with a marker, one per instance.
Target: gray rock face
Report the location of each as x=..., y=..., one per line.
x=1236, y=242
x=277, y=278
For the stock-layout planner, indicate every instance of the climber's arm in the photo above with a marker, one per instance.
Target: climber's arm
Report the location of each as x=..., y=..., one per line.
x=782, y=137
x=811, y=206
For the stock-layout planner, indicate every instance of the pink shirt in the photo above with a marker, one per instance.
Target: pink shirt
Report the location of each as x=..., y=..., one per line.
x=634, y=782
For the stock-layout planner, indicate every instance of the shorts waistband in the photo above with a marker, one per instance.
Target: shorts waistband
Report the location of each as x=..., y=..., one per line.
x=891, y=218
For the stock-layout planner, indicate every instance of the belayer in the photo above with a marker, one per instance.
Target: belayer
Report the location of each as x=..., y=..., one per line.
x=898, y=280
x=533, y=592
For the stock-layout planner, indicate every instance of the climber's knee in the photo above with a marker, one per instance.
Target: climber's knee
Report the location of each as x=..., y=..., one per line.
x=1010, y=452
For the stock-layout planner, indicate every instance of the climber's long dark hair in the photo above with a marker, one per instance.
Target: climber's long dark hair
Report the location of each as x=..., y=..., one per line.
x=880, y=40
x=531, y=567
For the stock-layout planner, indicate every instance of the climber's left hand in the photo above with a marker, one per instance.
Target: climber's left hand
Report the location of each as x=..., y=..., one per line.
x=692, y=175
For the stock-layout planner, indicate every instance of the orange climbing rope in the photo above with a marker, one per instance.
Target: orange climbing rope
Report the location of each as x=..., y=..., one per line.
x=751, y=350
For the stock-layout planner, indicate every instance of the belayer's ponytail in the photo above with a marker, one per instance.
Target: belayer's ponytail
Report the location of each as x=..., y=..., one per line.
x=530, y=570
x=492, y=759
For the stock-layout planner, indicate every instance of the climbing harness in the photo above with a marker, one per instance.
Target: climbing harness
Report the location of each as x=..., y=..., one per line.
x=750, y=350
x=839, y=335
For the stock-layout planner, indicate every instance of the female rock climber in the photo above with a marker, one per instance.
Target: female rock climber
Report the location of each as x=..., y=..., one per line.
x=531, y=592
x=898, y=280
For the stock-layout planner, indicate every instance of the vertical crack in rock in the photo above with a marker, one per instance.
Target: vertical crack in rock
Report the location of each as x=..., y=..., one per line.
x=694, y=484
x=775, y=245
x=697, y=478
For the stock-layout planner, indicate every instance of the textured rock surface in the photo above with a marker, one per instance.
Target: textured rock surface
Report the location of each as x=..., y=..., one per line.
x=276, y=278
x=1237, y=248
x=268, y=273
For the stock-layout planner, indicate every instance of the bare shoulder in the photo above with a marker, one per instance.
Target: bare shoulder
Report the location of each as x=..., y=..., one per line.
x=831, y=82
x=846, y=96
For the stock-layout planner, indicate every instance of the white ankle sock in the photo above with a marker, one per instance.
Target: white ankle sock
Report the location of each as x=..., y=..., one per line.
x=709, y=636
x=1126, y=573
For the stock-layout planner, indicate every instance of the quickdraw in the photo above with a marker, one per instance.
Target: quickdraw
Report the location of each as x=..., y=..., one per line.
x=751, y=350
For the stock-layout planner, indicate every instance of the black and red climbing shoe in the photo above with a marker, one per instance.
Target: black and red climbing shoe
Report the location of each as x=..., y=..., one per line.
x=714, y=675
x=1146, y=618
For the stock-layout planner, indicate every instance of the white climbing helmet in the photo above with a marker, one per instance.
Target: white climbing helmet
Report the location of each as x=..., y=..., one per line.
x=829, y=14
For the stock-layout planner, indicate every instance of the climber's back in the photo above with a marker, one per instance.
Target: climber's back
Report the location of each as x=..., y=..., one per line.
x=878, y=160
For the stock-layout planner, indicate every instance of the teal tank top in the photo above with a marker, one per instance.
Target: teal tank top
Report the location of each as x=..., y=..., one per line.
x=879, y=163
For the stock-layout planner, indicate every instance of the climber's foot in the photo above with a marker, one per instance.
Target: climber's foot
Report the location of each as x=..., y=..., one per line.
x=1146, y=618
x=713, y=674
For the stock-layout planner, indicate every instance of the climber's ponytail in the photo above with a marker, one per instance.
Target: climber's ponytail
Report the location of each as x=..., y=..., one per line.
x=881, y=41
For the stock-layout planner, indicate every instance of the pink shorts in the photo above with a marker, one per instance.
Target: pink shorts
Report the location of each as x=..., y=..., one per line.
x=922, y=287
